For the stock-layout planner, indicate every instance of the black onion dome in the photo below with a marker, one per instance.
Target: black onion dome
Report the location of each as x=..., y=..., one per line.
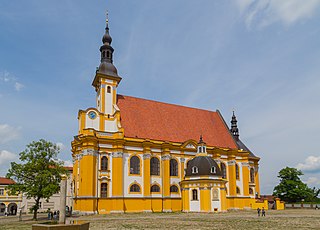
x=204, y=165
x=106, y=37
x=108, y=68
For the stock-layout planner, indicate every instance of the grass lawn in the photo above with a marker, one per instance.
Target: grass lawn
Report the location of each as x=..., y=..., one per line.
x=287, y=219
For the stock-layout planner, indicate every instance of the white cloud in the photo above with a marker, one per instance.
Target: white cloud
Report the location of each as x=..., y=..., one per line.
x=311, y=164
x=6, y=156
x=18, y=86
x=5, y=76
x=8, y=133
x=265, y=12
x=9, y=78
x=68, y=163
x=61, y=146
x=313, y=181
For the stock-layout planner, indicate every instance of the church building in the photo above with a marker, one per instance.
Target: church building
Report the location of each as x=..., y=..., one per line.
x=138, y=155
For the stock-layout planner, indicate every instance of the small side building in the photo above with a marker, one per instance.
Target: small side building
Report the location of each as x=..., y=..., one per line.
x=9, y=204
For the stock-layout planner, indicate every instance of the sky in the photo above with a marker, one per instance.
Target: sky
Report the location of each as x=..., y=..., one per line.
x=259, y=58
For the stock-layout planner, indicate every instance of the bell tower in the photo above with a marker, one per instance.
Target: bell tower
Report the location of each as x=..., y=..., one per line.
x=106, y=79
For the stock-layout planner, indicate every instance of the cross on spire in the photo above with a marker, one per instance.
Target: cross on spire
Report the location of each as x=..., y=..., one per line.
x=107, y=19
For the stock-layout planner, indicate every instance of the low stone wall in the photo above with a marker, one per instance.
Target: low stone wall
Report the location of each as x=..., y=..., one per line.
x=302, y=205
x=79, y=226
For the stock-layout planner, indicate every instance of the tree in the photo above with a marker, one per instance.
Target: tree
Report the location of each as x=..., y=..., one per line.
x=314, y=193
x=39, y=174
x=291, y=188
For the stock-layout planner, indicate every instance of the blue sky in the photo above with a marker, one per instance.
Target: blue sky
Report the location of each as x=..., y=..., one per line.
x=261, y=58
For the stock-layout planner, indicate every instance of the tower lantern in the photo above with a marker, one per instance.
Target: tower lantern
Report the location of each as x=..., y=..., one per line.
x=234, y=127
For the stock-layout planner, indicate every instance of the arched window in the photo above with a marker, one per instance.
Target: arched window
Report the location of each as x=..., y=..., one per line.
x=174, y=188
x=237, y=172
x=104, y=163
x=108, y=54
x=194, y=169
x=238, y=190
x=135, y=188
x=109, y=89
x=154, y=166
x=134, y=165
x=173, y=167
x=224, y=170
x=103, y=54
x=213, y=169
x=199, y=149
x=194, y=194
x=250, y=191
x=104, y=190
x=155, y=188
x=252, y=175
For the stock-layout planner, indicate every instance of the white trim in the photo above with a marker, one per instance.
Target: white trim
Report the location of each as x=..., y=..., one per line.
x=105, y=146
x=155, y=150
x=175, y=151
x=133, y=148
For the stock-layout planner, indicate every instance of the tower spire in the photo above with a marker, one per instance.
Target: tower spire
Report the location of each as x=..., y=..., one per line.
x=234, y=127
x=106, y=66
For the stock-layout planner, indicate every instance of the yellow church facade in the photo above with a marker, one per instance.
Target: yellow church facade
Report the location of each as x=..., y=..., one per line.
x=138, y=155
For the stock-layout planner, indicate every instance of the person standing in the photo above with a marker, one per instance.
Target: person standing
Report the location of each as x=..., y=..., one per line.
x=258, y=210
x=263, y=212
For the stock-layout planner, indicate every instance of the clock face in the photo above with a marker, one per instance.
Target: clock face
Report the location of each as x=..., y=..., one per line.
x=92, y=115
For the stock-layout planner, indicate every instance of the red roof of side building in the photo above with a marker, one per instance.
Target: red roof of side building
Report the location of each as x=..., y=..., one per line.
x=154, y=120
x=69, y=168
x=6, y=181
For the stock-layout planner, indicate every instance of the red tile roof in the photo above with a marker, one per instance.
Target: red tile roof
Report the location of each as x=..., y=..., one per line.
x=167, y=122
x=6, y=181
x=69, y=168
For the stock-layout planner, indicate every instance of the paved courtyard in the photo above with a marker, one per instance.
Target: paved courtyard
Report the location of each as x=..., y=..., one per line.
x=287, y=219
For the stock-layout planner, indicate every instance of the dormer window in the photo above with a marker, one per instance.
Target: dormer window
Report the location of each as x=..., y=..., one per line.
x=194, y=169
x=204, y=149
x=199, y=149
x=213, y=169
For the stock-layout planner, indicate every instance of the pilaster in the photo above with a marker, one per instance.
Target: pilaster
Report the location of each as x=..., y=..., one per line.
x=223, y=199
x=117, y=173
x=146, y=173
x=165, y=158
x=257, y=181
x=245, y=178
x=185, y=200
x=182, y=160
x=205, y=200
x=232, y=175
